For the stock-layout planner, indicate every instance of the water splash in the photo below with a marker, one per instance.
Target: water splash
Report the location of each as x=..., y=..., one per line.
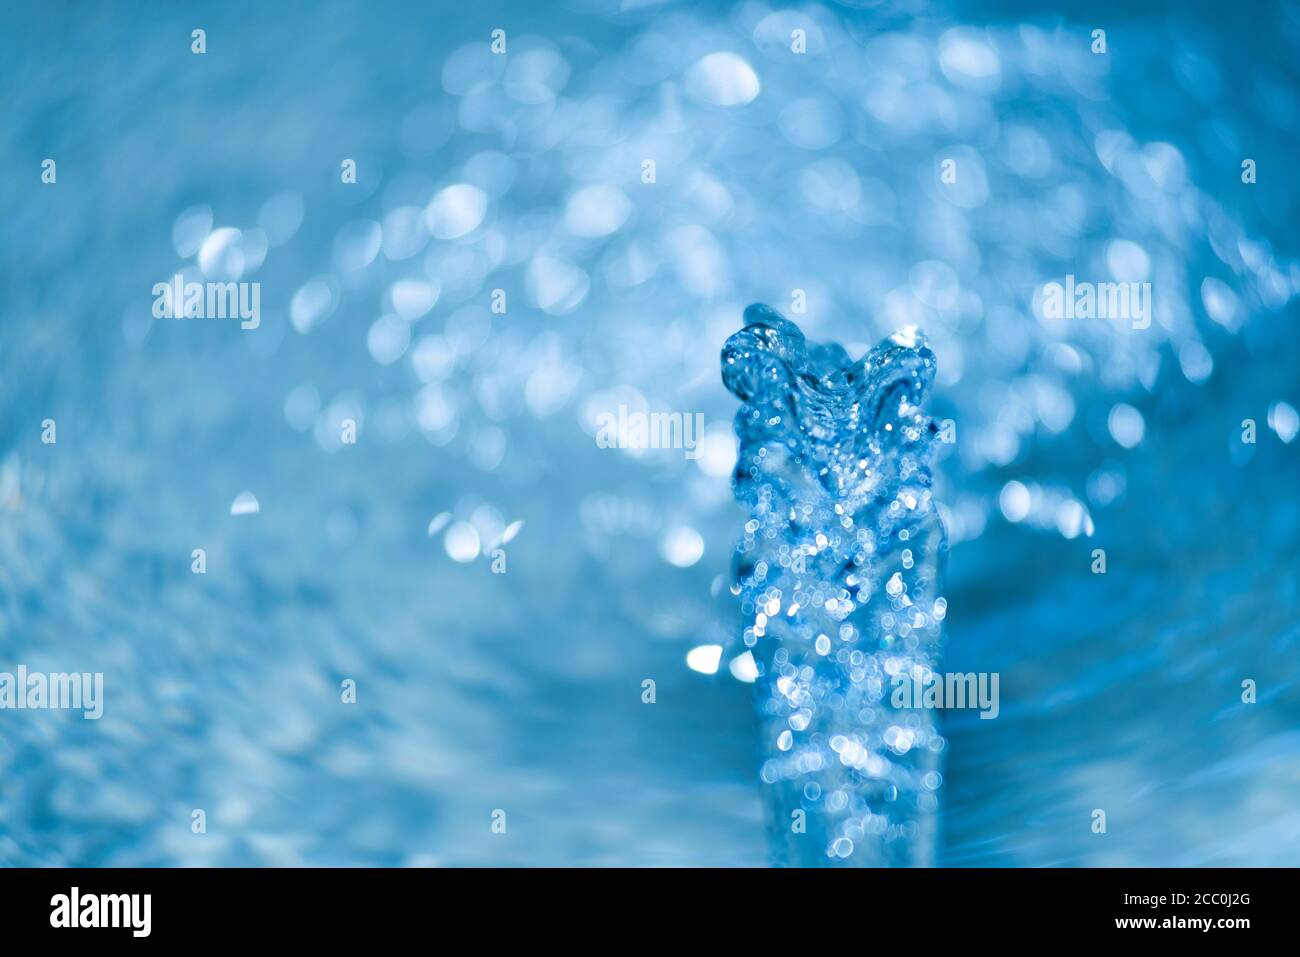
x=839, y=571
x=1067, y=160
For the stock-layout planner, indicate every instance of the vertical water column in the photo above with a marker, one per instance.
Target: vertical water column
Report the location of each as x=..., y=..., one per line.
x=839, y=572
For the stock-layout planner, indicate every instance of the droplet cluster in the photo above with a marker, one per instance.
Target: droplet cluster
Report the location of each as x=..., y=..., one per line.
x=839, y=574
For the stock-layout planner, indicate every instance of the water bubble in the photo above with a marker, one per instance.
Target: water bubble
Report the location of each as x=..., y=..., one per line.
x=435, y=409
x=489, y=524
x=456, y=211
x=357, y=244
x=1195, y=361
x=461, y=542
x=220, y=256
x=717, y=453
x=468, y=328
x=1072, y=519
x=1283, y=420
x=743, y=668
x=1014, y=501
x=831, y=184
x=313, y=303
x=1105, y=485
x=413, y=298
x=490, y=171
x=967, y=59
x=704, y=659
x=682, y=546
x=1220, y=303
x=487, y=447
x=404, y=233
x=1128, y=262
x=596, y=211
x=1126, y=425
x=1165, y=164
x=557, y=287
x=388, y=339
x=535, y=76
x=722, y=79
x=699, y=260
x=432, y=358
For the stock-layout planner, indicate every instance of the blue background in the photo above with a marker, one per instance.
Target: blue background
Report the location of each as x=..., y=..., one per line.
x=522, y=691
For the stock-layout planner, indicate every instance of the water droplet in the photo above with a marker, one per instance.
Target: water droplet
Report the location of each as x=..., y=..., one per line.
x=722, y=79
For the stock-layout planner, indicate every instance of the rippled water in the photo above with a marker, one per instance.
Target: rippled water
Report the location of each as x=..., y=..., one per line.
x=818, y=182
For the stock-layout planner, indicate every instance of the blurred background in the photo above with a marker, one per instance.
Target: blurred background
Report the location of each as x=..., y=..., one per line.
x=775, y=173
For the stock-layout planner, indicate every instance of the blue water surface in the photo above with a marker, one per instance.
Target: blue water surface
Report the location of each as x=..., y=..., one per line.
x=814, y=181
